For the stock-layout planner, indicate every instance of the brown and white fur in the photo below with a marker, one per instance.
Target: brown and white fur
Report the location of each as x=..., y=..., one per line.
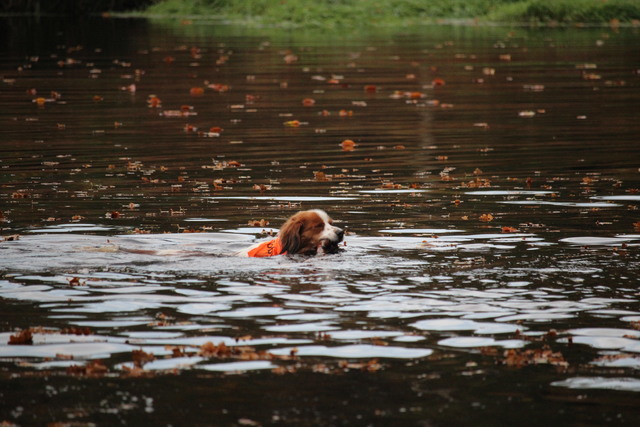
x=307, y=232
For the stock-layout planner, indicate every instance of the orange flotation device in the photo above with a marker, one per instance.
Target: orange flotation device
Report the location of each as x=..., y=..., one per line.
x=268, y=248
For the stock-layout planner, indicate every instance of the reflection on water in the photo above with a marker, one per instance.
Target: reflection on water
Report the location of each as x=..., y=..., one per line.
x=490, y=197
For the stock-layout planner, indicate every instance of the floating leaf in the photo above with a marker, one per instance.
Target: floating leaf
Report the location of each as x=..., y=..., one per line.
x=219, y=87
x=321, y=176
x=348, y=145
x=486, y=217
x=154, y=101
x=140, y=358
x=196, y=91
x=75, y=281
x=24, y=337
x=292, y=123
x=509, y=230
x=542, y=356
x=93, y=369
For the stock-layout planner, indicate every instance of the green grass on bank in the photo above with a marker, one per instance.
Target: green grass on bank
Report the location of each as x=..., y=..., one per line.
x=568, y=11
x=323, y=13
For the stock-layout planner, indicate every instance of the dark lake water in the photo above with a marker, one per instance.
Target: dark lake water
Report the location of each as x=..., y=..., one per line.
x=491, y=196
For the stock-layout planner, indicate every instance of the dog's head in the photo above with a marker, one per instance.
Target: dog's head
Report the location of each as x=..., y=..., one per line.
x=309, y=233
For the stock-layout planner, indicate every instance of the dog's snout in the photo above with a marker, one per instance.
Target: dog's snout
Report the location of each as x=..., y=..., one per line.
x=339, y=233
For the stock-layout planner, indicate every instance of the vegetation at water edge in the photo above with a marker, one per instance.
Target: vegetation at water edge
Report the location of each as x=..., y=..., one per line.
x=401, y=12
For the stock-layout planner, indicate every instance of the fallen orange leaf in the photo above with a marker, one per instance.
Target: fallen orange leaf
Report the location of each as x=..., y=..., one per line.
x=348, y=145
x=196, y=91
x=154, y=101
x=486, y=217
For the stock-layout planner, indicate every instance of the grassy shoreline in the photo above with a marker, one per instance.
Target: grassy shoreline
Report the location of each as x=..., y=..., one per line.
x=355, y=13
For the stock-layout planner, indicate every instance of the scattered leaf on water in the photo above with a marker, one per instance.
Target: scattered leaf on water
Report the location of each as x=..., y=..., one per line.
x=75, y=281
x=348, y=145
x=93, y=369
x=140, y=358
x=486, y=217
x=219, y=87
x=196, y=91
x=527, y=114
x=154, y=101
x=130, y=88
x=321, y=176
x=261, y=187
x=258, y=223
x=477, y=183
x=541, y=356
x=24, y=337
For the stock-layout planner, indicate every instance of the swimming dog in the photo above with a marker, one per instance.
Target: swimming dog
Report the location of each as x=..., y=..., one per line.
x=307, y=232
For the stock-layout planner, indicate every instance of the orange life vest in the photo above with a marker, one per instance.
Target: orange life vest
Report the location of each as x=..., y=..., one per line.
x=269, y=248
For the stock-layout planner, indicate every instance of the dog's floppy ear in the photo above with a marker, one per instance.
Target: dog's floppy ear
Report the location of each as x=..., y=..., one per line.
x=290, y=236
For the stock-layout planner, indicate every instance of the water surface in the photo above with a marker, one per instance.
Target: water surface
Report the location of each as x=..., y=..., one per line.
x=489, y=273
